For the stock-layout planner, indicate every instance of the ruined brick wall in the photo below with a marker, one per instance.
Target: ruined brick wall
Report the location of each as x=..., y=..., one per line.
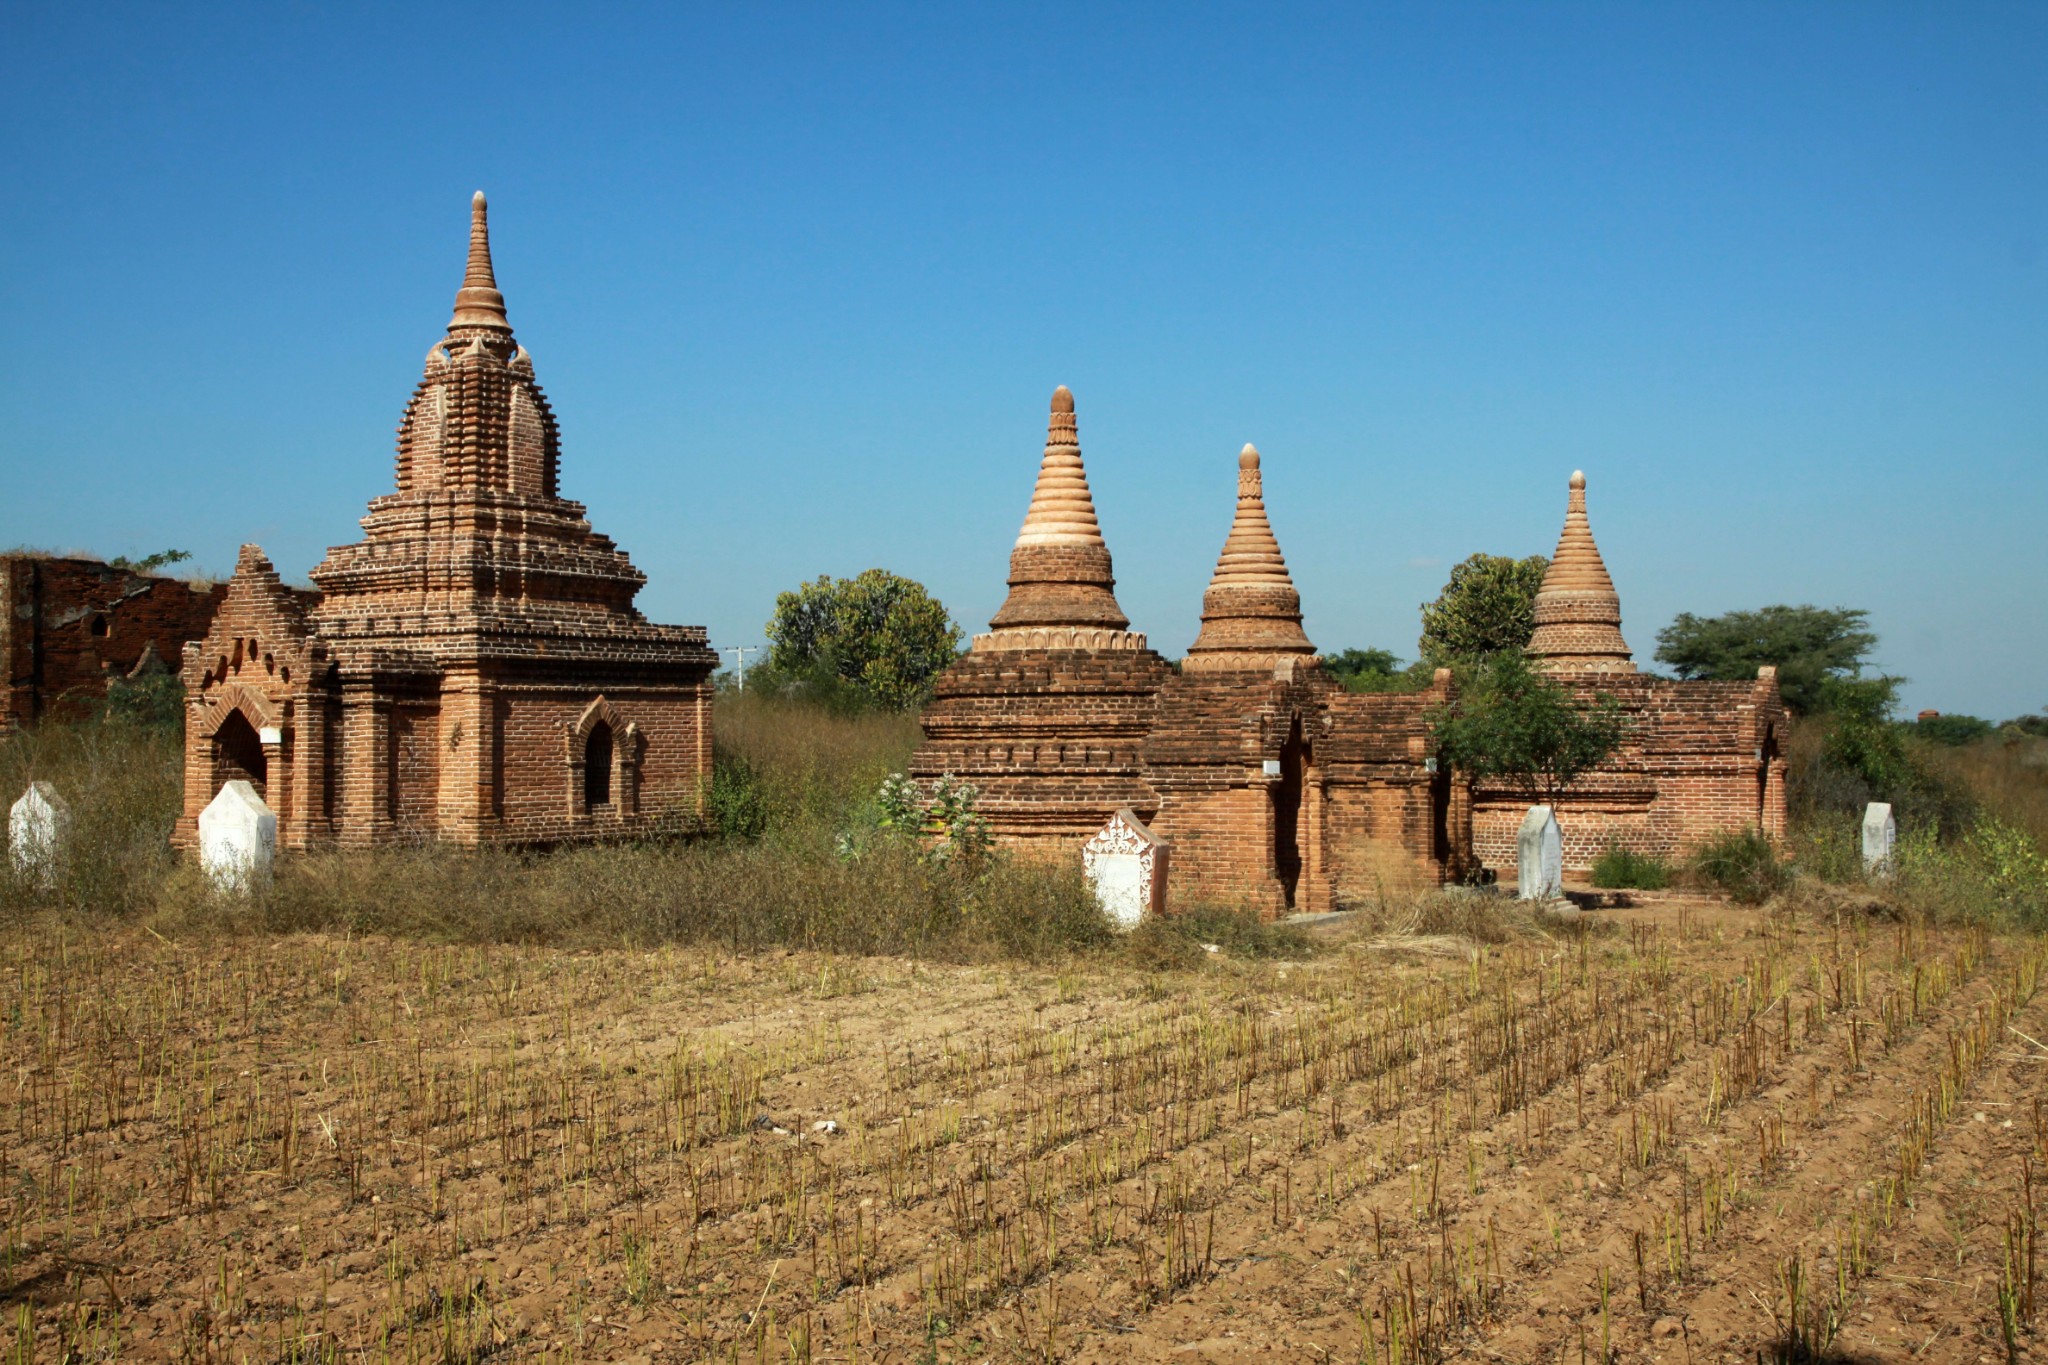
x=660, y=757
x=67, y=624
x=1699, y=759
x=1391, y=822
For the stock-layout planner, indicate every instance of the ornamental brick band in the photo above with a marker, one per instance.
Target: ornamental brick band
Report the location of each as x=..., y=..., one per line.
x=472, y=670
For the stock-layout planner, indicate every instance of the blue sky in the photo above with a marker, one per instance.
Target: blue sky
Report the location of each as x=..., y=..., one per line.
x=799, y=280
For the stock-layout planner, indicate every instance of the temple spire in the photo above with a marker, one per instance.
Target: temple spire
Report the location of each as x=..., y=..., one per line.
x=1251, y=613
x=478, y=303
x=1578, y=612
x=1062, y=590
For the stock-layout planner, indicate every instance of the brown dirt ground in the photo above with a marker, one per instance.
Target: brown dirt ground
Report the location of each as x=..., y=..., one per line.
x=321, y=1149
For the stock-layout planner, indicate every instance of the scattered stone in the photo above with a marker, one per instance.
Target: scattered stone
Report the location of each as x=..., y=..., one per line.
x=1666, y=1327
x=237, y=839
x=39, y=834
x=826, y=1126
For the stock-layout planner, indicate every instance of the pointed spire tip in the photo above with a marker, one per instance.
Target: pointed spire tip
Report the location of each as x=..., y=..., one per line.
x=1579, y=479
x=1248, y=458
x=1063, y=399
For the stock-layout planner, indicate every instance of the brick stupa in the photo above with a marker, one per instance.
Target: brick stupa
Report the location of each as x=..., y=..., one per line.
x=1251, y=613
x=1045, y=713
x=474, y=668
x=1578, y=612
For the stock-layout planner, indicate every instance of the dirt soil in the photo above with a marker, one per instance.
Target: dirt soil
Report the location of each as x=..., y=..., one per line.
x=1693, y=1133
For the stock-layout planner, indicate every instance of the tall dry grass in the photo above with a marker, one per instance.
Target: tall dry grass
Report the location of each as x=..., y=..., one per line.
x=2007, y=774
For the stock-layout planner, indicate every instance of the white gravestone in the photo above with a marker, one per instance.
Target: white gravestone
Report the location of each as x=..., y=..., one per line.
x=39, y=834
x=237, y=838
x=1539, y=856
x=1880, y=832
x=1126, y=864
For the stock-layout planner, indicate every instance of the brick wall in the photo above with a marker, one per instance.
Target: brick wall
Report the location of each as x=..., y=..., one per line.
x=67, y=624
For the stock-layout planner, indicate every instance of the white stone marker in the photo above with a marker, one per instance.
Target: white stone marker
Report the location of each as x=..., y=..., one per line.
x=1880, y=832
x=1539, y=856
x=39, y=834
x=237, y=839
x=1126, y=864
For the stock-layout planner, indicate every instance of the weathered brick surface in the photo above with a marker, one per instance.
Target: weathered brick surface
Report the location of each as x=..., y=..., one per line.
x=66, y=625
x=1275, y=786
x=474, y=669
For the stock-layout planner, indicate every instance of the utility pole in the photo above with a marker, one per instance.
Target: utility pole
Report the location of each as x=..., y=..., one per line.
x=741, y=668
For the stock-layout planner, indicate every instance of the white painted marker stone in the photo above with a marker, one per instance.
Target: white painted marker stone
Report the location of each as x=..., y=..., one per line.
x=1126, y=864
x=237, y=839
x=1880, y=834
x=1539, y=856
x=39, y=834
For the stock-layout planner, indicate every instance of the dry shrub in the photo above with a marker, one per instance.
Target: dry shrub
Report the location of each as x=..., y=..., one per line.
x=123, y=783
x=2008, y=775
x=812, y=767
x=740, y=896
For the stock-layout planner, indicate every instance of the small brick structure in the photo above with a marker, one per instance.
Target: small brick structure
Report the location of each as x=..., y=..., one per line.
x=69, y=625
x=1274, y=785
x=473, y=670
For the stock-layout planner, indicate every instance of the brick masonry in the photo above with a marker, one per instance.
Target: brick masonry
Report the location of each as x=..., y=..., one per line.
x=68, y=625
x=1276, y=787
x=474, y=669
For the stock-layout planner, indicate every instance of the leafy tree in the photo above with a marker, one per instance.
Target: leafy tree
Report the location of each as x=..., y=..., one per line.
x=1862, y=737
x=2028, y=725
x=149, y=563
x=880, y=634
x=1488, y=606
x=1512, y=724
x=1810, y=646
x=1953, y=730
x=1375, y=670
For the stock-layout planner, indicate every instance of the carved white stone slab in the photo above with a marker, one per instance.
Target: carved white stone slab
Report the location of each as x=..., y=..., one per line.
x=237, y=839
x=1539, y=856
x=1126, y=864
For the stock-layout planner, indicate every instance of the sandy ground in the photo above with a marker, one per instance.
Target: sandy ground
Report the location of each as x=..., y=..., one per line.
x=1640, y=1142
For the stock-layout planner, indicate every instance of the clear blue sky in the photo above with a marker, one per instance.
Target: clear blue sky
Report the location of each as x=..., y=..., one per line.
x=799, y=280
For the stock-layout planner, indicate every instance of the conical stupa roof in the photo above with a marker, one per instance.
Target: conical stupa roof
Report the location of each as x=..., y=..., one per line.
x=478, y=303
x=1251, y=613
x=1062, y=591
x=1578, y=612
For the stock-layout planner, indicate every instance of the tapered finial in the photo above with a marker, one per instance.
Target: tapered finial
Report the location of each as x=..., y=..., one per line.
x=1578, y=612
x=478, y=303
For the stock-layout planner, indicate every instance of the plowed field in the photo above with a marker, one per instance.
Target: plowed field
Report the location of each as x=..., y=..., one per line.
x=1703, y=1134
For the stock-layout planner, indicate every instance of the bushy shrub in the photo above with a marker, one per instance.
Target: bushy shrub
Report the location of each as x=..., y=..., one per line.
x=1182, y=940
x=1742, y=863
x=1621, y=867
x=737, y=805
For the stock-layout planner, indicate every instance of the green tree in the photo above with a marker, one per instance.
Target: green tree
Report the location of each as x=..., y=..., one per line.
x=1862, y=737
x=1953, y=730
x=1488, y=606
x=1811, y=646
x=880, y=634
x=1512, y=724
x=149, y=563
x=1375, y=670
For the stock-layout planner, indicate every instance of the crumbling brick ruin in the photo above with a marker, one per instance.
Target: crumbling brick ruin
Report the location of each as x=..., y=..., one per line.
x=1274, y=785
x=69, y=625
x=472, y=670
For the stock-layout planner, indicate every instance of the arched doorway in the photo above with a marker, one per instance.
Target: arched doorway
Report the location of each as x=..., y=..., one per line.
x=1287, y=794
x=597, y=766
x=238, y=753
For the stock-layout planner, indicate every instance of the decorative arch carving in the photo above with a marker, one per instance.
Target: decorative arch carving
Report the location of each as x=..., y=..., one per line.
x=238, y=697
x=626, y=745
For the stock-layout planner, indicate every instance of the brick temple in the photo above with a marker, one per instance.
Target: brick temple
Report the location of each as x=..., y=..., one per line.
x=1273, y=784
x=472, y=670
